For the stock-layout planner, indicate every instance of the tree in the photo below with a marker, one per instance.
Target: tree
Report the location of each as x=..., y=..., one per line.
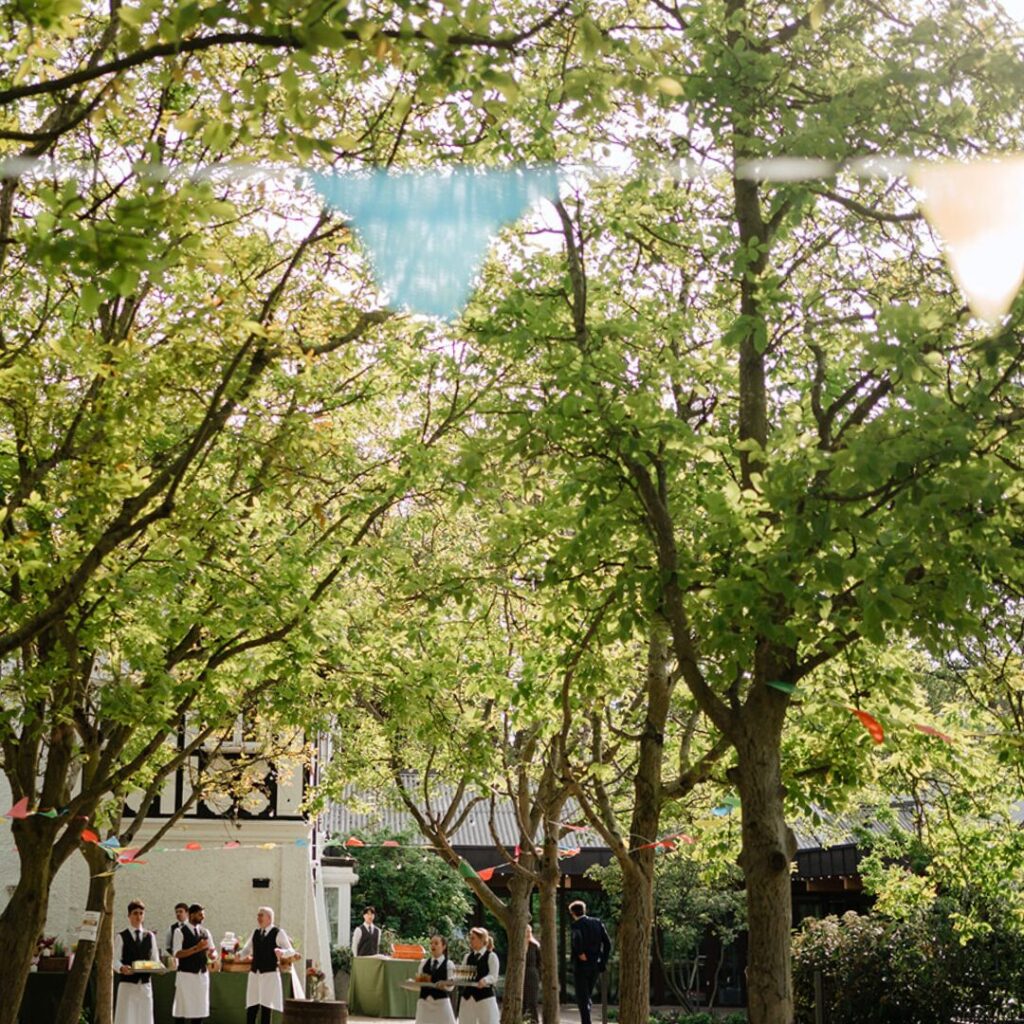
x=815, y=450
x=416, y=894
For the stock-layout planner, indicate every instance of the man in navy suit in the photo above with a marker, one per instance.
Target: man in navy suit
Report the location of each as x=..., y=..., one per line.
x=591, y=948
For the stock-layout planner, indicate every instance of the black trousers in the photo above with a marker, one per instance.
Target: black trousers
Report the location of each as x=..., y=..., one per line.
x=585, y=976
x=252, y=1011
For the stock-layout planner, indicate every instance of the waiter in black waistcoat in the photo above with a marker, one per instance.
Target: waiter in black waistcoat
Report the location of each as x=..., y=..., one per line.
x=366, y=938
x=591, y=948
x=193, y=947
x=134, y=990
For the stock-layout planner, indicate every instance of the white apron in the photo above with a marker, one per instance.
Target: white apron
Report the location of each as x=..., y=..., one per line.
x=478, y=1011
x=191, y=995
x=134, y=1004
x=264, y=990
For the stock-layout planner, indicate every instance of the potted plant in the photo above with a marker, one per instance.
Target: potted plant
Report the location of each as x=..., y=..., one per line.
x=53, y=955
x=341, y=964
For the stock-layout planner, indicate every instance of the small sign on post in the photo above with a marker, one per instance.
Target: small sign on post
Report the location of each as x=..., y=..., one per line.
x=90, y=926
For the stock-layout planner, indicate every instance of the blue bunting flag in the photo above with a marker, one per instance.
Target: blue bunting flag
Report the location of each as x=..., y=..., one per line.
x=427, y=233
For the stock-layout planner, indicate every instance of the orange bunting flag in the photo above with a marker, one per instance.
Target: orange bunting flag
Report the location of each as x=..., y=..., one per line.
x=352, y=841
x=19, y=810
x=873, y=726
x=485, y=874
x=88, y=836
x=391, y=842
x=193, y=846
x=569, y=853
x=930, y=730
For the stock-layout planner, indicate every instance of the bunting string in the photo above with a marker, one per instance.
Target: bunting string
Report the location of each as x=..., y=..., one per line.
x=426, y=232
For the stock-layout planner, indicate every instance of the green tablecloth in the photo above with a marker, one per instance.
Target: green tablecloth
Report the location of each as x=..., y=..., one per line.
x=227, y=997
x=374, y=989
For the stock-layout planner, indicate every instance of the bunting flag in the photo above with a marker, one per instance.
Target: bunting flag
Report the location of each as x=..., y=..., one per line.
x=193, y=846
x=566, y=854
x=353, y=841
x=19, y=810
x=873, y=726
x=427, y=233
x=978, y=211
x=391, y=842
x=232, y=844
x=485, y=874
x=781, y=686
x=727, y=806
x=930, y=730
x=88, y=836
x=466, y=870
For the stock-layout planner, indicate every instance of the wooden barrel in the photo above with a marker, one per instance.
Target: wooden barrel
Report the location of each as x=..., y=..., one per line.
x=305, y=1011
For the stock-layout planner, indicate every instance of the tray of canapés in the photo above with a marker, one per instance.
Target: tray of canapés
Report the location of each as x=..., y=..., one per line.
x=148, y=967
x=461, y=974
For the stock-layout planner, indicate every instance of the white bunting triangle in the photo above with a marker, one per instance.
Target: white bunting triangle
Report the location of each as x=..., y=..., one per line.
x=978, y=210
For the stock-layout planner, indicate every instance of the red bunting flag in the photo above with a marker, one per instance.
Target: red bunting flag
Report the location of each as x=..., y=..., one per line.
x=88, y=836
x=518, y=851
x=352, y=841
x=930, y=730
x=874, y=728
x=485, y=874
x=129, y=857
x=193, y=846
x=569, y=853
x=19, y=810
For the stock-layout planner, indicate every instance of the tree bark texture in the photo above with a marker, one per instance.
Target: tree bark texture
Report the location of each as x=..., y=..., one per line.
x=24, y=917
x=100, y=898
x=768, y=848
x=636, y=921
x=520, y=888
x=550, y=873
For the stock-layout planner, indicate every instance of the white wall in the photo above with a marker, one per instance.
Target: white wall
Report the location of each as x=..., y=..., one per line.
x=219, y=879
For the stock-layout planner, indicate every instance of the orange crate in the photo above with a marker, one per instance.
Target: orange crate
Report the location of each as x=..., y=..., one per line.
x=407, y=951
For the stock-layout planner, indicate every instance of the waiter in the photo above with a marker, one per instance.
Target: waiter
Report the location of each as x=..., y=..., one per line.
x=263, y=988
x=193, y=945
x=366, y=938
x=134, y=991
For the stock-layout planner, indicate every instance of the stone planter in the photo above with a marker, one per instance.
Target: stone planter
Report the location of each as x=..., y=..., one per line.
x=341, y=980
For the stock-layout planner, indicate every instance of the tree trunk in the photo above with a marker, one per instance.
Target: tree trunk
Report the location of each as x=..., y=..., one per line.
x=24, y=917
x=768, y=849
x=520, y=889
x=636, y=920
x=634, y=939
x=550, y=873
x=100, y=897
x=104, y=966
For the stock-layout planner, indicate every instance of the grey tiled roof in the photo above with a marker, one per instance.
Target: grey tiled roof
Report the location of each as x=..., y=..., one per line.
x=361, y=811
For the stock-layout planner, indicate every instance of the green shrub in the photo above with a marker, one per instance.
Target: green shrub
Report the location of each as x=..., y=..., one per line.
x=913, y=971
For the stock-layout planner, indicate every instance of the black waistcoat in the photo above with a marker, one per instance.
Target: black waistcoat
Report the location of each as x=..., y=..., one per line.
x=131, y=951
x=196, y=963
x=264, y=959
x=369, y=941
x=438, y=973
x=481, y=962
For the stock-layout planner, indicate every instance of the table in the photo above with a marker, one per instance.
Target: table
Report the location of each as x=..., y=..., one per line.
x=374, y=989
x=227, y=997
